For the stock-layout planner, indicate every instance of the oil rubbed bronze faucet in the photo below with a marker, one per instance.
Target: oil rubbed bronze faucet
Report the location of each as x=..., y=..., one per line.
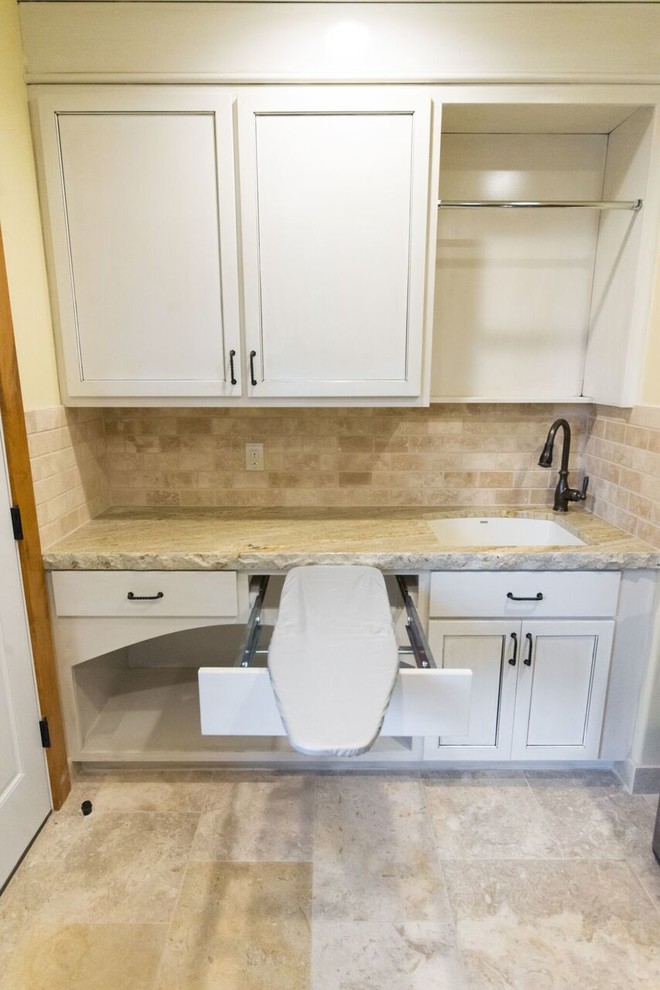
x=563, y=493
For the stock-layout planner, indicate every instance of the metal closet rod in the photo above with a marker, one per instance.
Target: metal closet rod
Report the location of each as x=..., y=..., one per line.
x=479, y=204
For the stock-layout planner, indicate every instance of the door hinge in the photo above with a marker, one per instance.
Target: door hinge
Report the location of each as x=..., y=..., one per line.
x=17, y=522
x=45, y=733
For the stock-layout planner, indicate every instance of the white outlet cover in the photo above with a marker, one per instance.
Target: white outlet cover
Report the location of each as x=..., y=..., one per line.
x=254, y=457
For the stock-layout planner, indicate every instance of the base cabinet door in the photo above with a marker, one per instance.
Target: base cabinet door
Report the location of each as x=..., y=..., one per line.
x=561, y=689
x=538, y=688
x=487, y=648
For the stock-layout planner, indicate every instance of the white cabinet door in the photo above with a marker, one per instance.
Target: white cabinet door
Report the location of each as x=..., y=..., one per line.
x=562, y=684
x=487, y=649
x=538, y=688
x=140, y=195
x=334, y=190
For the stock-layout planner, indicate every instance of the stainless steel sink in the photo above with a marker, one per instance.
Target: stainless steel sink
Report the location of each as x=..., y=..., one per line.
x=495, y=531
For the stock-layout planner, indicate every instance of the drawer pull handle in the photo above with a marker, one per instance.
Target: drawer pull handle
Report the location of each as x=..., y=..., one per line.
x=513, y=659
x=232, y=355
x=145, y=598
x=538, y=597
x=528, y=659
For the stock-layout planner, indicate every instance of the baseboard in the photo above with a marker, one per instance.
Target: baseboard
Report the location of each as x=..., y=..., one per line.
x=638, y=780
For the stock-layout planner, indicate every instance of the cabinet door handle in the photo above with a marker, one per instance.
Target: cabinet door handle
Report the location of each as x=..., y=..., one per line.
x=513, y=659
x=253, y=355
x=528, y=659
x=145, y=598
x=232, y=355
x=538, y=597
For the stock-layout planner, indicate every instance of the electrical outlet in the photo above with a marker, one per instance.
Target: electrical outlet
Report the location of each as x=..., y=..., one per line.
x=254, y=457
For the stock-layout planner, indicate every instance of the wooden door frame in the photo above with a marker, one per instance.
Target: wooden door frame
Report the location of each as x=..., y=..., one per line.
x=34, y=578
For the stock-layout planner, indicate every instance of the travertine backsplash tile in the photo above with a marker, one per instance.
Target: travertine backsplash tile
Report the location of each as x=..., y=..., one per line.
x=85, y=460
x=445, y=455
x=622, y=456
x=67, y=450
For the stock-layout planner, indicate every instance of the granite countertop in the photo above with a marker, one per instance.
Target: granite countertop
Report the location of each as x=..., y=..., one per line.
x=278, y=539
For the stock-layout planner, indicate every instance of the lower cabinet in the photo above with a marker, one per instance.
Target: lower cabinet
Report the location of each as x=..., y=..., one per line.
x=538, y=687
x=539, y=646
x=130, y=645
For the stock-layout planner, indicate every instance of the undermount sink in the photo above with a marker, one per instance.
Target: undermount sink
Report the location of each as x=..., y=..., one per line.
x=475, y=531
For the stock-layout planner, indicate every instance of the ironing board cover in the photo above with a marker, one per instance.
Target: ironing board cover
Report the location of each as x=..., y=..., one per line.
x=333, y=658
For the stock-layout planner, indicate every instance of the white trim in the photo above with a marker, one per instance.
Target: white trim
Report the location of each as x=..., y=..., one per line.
x=277, y=79
x=609, y=42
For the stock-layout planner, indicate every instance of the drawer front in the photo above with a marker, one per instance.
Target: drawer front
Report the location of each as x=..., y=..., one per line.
x=549, y=593
x=199, y=594
x=235, y=701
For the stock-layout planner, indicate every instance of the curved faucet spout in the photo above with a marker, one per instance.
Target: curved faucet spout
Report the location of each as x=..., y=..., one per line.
x=563, y=493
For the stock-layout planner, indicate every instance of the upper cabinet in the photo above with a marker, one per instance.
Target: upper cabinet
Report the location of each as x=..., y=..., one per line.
x=349, y=244
x=544, y=302
x=139, y=190
x=334, y=214
x=230, y=234
x=333, y=202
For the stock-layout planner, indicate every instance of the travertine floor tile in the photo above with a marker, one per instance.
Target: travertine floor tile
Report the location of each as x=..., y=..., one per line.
x=374, y=852
x=554, y=926
x=14, y=921
x=159, y=794
x=594, y=821
x=647, y=870
x=254, y=822
x=240, y=926
x=222, y=856
x=85, y=957
x=476, y=818
x=112, y=868
x=372, y=956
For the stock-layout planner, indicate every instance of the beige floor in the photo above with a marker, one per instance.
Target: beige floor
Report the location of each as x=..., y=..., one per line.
x=448, y=881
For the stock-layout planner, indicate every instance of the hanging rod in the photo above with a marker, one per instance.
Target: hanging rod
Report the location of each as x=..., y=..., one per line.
x=479, y=204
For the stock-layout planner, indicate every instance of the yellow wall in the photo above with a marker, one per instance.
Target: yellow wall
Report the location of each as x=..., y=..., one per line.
x=21, y=226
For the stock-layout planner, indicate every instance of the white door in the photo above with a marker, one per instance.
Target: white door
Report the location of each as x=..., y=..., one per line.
x=24, y=793
x=334, y=193
x=491, y=650
x=141, y=203
x=562, y=686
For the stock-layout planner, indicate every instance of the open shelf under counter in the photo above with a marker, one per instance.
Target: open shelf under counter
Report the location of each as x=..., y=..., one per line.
x=151, y=715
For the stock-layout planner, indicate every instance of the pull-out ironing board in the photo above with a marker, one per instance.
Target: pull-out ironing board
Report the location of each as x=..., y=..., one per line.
x=333, y=659
x=336, y=677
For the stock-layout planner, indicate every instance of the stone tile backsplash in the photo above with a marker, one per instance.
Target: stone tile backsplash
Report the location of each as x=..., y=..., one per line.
x=622, y=456
x=67, y=451
x=444, y=455
x=85, y=460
